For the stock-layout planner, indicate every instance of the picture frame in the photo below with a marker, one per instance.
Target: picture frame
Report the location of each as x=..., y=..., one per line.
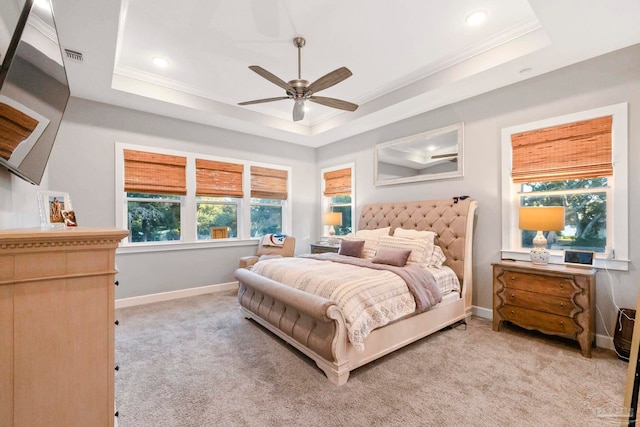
x=54, y=206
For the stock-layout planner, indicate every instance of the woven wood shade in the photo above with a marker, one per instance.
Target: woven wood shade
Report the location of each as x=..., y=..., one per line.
x=337, y=183
x=154, y=173
x=15, y=127
x=218, y=179
x=267, y=183
x=576, y=150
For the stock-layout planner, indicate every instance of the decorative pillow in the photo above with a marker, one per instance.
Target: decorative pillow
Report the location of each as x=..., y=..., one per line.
x=351, y=248
x=437, y=258
x=421, y=249
x=397, y=257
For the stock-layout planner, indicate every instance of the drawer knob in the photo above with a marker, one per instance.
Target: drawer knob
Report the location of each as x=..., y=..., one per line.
x=512, y=312
x=513, y=278
x=513, y=296
x=561, y=304
x=561, y=322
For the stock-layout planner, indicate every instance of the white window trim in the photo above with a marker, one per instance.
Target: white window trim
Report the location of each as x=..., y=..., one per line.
x=188, y=203
x=324, y=201
x=616, y=256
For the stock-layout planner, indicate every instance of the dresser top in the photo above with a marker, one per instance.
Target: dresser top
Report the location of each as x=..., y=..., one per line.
x=554, y=268
x=36, y=234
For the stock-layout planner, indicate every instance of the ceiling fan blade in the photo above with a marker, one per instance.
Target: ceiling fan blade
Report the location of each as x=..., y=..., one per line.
x=260, y=101
x=298, y=110
x=328, y=80
x=334, y=103
x=272, y=78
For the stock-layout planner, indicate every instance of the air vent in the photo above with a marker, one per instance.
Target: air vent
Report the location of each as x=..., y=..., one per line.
x=74, y=55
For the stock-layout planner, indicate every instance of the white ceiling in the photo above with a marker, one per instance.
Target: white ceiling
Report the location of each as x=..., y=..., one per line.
x=407, y=56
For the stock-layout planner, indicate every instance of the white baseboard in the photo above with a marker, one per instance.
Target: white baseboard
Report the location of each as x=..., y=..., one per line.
x=602, y=341
x=182, y=293
x=485, y=313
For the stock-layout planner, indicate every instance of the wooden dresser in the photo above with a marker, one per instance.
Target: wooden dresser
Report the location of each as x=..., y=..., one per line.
x=554, y=299
x=57, y=326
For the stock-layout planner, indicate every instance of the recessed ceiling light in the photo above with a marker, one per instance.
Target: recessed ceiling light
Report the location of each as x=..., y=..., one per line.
x=476, y=18
x=160, y=62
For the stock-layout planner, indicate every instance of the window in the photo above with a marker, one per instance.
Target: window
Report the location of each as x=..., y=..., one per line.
x=339, y=197
x=268, y=194
x=577, y=161
x=219, y=196
x=168, y=197
x=154, y=184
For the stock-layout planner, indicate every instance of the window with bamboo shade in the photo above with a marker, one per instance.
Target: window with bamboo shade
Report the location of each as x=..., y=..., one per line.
x=147, y=172
x=570, y=151
x=338, y=196
x=180, y=197
x=268, y=183
x=218, y=179
x=577, y=161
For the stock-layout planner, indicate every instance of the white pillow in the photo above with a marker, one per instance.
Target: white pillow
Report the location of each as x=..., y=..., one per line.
x=370, y=245
x=373, y=234
x=414, y=234
x=421, y=249
x=438, y=258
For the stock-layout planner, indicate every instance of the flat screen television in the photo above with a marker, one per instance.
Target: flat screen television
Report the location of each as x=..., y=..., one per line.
x=34, y=89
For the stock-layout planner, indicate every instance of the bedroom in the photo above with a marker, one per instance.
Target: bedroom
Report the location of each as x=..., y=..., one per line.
x=85, y=146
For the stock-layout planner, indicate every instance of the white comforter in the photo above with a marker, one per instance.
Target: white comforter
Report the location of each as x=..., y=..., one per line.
x=368, y=298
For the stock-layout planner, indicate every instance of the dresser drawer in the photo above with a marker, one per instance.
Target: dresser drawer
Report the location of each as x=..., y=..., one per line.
x=544, y=322
x=559, y=286
x=540, y=302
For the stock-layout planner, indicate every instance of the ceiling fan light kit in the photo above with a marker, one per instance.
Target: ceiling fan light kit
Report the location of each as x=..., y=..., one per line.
x=300, y=90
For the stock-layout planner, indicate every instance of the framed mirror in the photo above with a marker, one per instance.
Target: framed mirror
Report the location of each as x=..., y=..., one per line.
x=435, y=154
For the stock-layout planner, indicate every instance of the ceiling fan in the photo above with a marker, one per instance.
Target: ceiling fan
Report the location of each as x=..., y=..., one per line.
x=300, y=90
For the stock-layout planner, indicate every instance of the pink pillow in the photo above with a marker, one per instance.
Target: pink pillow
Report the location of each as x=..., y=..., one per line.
x=397, y=257
x=352, y=248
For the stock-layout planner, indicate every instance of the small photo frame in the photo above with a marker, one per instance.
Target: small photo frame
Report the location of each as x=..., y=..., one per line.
x=52, y=205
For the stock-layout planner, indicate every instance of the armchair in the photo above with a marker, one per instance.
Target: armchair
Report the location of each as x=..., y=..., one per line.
x=286, y=250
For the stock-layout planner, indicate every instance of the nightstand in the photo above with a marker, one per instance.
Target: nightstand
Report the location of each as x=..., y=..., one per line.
x=322, y=247
x=553, y=299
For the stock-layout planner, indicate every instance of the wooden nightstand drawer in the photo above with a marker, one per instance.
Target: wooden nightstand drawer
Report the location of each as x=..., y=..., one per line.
x=560, y=286
x=541, y=302
x=544, y=322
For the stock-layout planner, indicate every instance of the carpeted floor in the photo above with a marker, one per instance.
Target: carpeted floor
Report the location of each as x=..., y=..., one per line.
x=198, y=362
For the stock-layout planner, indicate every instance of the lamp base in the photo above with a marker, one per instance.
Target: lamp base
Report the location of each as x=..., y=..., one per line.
x=539, y=254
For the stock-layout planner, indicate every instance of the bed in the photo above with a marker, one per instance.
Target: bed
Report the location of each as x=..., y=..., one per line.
x=316, y=325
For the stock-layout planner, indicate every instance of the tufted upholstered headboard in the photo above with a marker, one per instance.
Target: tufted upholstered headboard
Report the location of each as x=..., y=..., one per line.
x=448, y=218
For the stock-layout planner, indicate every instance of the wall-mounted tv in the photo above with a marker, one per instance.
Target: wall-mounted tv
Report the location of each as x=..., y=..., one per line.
x=33, y=86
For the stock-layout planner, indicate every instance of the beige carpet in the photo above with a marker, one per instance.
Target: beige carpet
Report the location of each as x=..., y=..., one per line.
x=198, y=362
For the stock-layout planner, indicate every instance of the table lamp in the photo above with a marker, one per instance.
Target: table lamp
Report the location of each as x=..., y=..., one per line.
x=331, y=219
x=541, y=218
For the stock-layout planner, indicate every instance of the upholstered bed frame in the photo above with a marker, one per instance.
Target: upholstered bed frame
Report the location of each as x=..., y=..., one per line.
x=316, y=326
